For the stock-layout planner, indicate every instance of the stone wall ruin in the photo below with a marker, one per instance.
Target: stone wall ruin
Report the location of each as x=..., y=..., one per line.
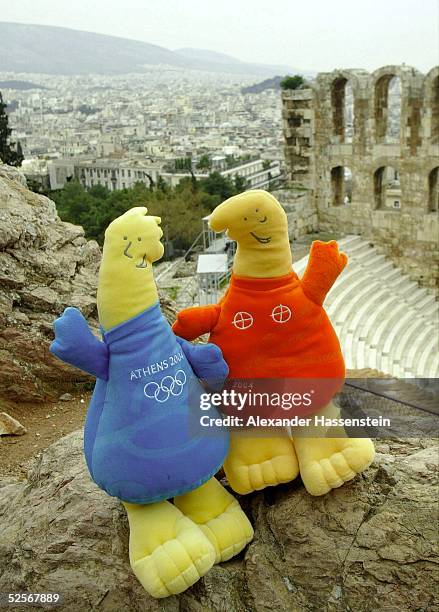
x=366, y=147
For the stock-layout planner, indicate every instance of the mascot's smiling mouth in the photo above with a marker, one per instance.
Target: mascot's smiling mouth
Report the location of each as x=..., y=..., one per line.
x=261, y=240
x=143, y=263
x=263, y=220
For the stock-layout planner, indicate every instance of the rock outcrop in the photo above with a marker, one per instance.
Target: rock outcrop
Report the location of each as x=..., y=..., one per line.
x=366, y=546
x=10, y=426
x=45, y=265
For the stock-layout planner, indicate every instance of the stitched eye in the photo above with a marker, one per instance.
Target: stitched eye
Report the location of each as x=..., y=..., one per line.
x=257, y=210
x=139, y=239
x=125, y=238
x=245, y=218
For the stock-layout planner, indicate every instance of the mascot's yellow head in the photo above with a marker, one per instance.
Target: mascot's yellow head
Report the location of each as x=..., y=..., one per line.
x=135, y=238
x=258, y=223
x=126, y=282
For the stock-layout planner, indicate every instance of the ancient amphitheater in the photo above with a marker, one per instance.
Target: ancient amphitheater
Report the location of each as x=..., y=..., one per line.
x=384, y=320
x=367, y=162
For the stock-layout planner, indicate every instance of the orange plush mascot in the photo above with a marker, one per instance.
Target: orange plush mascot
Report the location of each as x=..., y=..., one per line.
x=271, y=324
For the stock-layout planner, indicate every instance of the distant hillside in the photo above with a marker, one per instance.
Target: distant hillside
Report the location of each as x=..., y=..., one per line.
x=208, y=56
x=273, y=83
x=53, y=50
x=228, y=63
x=20, y=85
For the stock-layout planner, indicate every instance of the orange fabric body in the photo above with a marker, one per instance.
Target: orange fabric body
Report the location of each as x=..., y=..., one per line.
x=268, y=328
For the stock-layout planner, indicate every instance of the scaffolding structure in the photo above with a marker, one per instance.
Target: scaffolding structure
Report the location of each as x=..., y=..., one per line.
x=214, y=264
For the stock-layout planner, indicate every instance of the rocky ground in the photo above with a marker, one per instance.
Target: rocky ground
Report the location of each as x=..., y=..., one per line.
x=368, y=546
x=44, y=424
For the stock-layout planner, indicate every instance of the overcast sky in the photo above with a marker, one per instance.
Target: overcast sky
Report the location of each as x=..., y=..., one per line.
x=308, y=34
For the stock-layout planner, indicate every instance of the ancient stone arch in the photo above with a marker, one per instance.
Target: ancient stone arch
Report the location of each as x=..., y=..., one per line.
x=410, y=80
x=342, y=80
x=316, y=153
x=383, y=182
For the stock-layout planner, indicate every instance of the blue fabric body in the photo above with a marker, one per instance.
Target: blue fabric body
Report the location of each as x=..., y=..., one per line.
x=143, y=441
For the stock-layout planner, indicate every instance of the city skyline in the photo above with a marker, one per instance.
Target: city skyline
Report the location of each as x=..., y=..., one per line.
x=316, y=36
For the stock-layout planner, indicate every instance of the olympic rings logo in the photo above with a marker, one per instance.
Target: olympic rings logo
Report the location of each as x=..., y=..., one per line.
x=169, y=385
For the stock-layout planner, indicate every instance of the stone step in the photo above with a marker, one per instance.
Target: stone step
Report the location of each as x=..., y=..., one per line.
x=433, y=369
x=380, y=266
x=373, y=319
x=368, y=305
x=382, y=318
x=399, y=329
x=402, y=349
x=402, y=286
x=359, y=249
x=406, y=338
x=430, y=350
x=415, y=350
x=390, y=275
x=385, y=325
x=344, y=295
x=348, y=242
x=346, y=310
x=363, y=256
x=420, y=299
x=346, y=279
x=422, y=361
x=429, y=304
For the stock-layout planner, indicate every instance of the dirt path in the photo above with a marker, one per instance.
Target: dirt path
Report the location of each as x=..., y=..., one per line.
x=45, y=424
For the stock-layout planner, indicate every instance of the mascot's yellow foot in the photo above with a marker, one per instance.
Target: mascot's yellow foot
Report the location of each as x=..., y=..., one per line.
x=327, y=463
x=220, y=517
x=168, y=551
x=255, y=463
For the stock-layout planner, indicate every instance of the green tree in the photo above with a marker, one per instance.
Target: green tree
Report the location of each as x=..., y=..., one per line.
x=230, y=161
x=9, y=153
x=181, y=208
x=266, y=164
x=99, y=192
x=293, y=82
x=161, y=183
x=183, y=163
x=204, y=163
x=240, y=183
x=217, y=185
